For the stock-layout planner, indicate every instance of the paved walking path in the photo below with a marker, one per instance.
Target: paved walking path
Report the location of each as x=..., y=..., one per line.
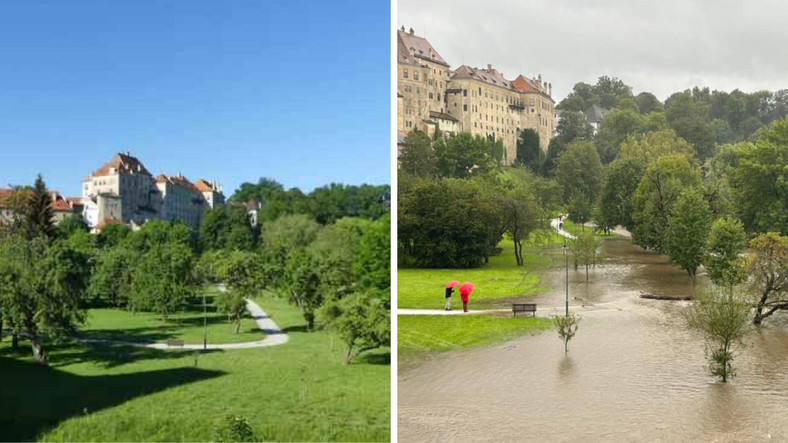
x=554, y=224
x=273, y=335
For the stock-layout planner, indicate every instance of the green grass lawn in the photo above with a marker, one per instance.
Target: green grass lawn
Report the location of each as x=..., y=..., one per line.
x=500, y=279
x=119, y=324
x=420, y=335
x=100, y=392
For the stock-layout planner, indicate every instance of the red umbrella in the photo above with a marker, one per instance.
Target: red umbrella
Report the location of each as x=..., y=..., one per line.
x=452, y=284
x=466, y=288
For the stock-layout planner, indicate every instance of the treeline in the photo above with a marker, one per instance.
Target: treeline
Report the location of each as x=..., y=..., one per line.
x=336, y=273
x=325, y=204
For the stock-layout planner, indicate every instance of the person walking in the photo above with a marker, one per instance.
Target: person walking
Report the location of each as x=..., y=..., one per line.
x=449, y=290
x=465, y=293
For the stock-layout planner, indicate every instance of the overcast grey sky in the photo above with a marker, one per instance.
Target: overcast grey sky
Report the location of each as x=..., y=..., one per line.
x=655, y=46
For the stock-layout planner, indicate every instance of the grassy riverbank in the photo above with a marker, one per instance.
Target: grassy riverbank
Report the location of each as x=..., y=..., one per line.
x=298, y=391
x=421, y=335
x=500, y=279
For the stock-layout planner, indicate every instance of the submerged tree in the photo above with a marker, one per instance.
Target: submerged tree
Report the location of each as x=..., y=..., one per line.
x=768, y=270
x=585, y=250
x=722, y=315
x=567, y=328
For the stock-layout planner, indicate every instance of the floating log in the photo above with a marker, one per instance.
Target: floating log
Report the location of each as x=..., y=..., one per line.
x=665, y=297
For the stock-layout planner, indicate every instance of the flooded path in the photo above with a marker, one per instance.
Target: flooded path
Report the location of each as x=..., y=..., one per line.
x=633, y=372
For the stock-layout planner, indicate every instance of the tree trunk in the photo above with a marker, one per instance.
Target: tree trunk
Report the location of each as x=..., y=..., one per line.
x=349, y=355
x=1, y=329
x=759, y=307
x=238, y=324
x=586, y=273
x=310, y=320
x=14, y=340
x=39, y=353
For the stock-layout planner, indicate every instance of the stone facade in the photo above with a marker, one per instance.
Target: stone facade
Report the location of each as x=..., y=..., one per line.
x=480, y=101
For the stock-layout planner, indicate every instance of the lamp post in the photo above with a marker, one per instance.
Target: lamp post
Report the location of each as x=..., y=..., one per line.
x=204, y=323
x=566, y=254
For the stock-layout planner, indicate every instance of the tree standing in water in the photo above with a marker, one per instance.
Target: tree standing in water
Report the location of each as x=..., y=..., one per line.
x=567, y=328
x=722, y=315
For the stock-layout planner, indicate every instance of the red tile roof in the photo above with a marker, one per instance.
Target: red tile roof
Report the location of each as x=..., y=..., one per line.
x=522, y=84
x=122, y=164
x=418, y=47
x=203, y=185
x=59, y=204
x=489, y=76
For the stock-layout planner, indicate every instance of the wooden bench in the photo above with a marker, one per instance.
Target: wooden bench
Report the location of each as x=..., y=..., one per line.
x=175, y=343
x=524, y=307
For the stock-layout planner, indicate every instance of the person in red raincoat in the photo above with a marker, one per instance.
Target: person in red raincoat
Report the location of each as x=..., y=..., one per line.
x=465, y=292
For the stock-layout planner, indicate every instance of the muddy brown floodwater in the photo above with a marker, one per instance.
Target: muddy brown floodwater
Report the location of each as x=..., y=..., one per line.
x=633, y=372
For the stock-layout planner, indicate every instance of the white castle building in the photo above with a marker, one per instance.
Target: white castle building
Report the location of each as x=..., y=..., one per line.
x=123, y=191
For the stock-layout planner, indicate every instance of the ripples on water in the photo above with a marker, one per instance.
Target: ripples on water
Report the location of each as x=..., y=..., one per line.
x=633, y=372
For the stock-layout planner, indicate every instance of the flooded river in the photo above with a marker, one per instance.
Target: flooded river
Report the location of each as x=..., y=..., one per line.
x=633, y=372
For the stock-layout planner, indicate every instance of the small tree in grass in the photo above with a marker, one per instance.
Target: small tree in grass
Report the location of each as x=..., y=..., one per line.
x=235, y=428
x=301, y=283
x=722, y=315
x=243, y=274
x=567, y=327
x=361, y=320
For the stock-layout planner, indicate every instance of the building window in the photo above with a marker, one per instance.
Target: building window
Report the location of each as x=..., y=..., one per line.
x=430, y=94
x=464, y=92
x=464, y=107
x=404, y=73
x=439, y=97
x=415, y=75
x=532, y=102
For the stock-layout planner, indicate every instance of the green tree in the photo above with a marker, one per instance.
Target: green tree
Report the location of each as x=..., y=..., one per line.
x=39, y=215
x=521, y=216
x=768, y=271
x=585, y=250
x=571, y=127
x=688, y=231
x=417, y=156
x=580, y=208
x=41, y=288
x=113, y=235
x=689, y=117
x=162, y=280
x=462, y=155
x=655, y=145
x=70, y=224
x=529, y=152
x=301, y=283
x=656, y=194
x=448, y=224
x=360, y=320
x=281, y=237
x=725, y=243
x=566, y=327
x=761, y=181
x=617, y=125
x=335, y=249
x=722, y=316
x=112, y=276
x=615, y=201
x=648, y=103
x=372, y=266
x=579, y=170
x=243, y=274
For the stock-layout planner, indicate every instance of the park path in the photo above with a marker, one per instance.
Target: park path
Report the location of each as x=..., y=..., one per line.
x=274, y=336
x=554, y=224
x=405, y=311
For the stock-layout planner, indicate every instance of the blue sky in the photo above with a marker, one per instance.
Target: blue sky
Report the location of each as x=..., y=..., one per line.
x=234, y=90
